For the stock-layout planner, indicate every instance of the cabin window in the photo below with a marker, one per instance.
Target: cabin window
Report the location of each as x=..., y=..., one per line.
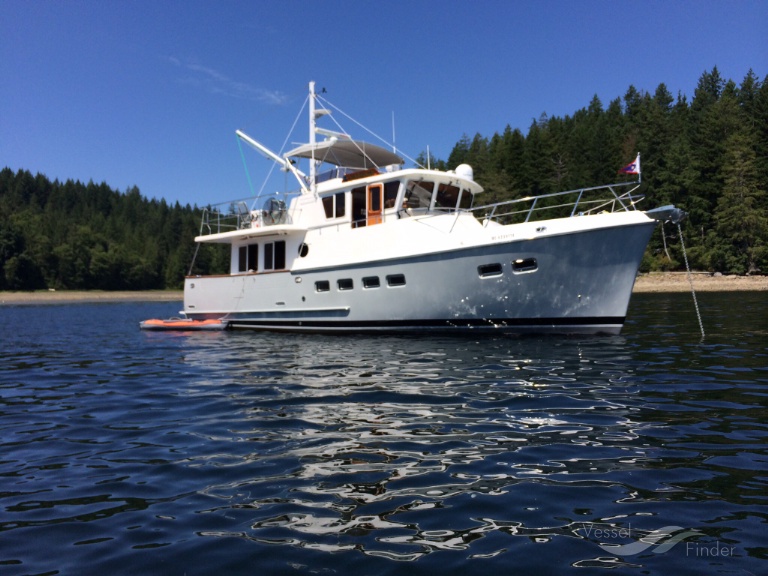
x=489, y=270
x=334, y=205
x=396, y=280
x=303, y=250
x=345, y=284
x=274, y=255
x=248, y=258
x=418, y=194
x=447, y=197
x=242, y=259
x=280, y=255
x=322, y=286
x=253, y=257
x=371, y=282
x=522, y=265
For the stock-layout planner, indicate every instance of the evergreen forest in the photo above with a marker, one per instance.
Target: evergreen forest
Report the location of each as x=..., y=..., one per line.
x=87, y=236
x=708, y=156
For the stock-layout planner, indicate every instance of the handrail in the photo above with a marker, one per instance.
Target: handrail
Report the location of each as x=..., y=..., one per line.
x=583, y=204
x=235, y=215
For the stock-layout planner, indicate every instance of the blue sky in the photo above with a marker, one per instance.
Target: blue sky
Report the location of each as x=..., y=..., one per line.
x=150, y=93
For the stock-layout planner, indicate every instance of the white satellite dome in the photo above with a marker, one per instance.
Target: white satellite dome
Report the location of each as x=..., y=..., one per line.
x=465, y=171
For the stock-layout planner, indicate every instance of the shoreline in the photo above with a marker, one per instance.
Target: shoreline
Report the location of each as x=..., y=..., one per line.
x=702, y=282
x=89, y=296
x=654, y=282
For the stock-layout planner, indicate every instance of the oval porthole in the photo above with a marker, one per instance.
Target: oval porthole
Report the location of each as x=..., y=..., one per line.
x=303, y=249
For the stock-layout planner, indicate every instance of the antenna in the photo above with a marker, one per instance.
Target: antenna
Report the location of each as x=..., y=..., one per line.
x=394, y=148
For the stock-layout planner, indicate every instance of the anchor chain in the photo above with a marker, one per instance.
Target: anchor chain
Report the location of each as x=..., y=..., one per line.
x=690, y=281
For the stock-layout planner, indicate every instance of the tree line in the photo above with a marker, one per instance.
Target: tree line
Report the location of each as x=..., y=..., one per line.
x=69, y=235
x=708, y=156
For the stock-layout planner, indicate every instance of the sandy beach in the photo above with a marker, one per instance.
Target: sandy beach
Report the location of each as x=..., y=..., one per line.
x=702, y=282
x=71, y=296
x=653, y=282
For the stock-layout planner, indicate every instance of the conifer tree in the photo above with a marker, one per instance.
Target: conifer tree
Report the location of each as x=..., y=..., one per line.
x=741, y=221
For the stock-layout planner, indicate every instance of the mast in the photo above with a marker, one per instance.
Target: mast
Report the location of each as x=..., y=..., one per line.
x=312, y=138
x=314, y=114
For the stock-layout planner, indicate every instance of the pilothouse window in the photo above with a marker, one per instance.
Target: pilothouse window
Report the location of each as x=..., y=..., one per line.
x=358, y=207
x=390, y=193
x=447, y=197
x=418, y=194
x=465, y=202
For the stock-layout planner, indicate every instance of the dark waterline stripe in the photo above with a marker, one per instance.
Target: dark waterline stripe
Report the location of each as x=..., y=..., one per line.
x=413, y=324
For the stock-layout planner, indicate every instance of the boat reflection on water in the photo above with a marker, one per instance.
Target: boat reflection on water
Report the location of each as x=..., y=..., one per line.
x=370, y=450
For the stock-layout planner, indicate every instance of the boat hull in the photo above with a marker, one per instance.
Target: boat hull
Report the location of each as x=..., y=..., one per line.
x=577, y=282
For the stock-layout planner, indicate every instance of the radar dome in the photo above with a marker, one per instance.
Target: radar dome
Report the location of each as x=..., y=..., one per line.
x=465, y=171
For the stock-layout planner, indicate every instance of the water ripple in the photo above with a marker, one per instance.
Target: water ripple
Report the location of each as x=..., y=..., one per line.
x=126, y=451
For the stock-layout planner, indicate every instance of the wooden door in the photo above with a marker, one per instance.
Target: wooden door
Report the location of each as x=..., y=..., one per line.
x=375, y=203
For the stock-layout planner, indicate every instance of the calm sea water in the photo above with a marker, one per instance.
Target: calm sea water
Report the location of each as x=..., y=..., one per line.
x=126, y=452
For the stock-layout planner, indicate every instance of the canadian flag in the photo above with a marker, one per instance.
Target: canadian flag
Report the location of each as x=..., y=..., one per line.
x=632, y=167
